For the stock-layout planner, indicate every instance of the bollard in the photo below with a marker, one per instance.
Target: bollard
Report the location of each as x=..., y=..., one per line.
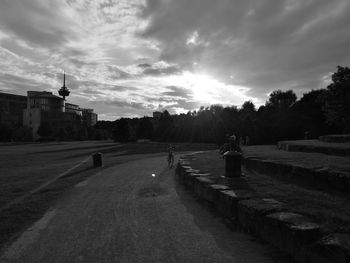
x=97, y=159
x=233, y=162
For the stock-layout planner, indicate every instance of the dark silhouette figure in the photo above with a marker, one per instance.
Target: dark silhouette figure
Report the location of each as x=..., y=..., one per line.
x=170, y=156
x=234, y=145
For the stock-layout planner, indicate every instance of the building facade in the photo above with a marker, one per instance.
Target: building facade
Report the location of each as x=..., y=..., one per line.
x=43, y=107
x=40, y=107
x=89, y=117
x=157, y=114
x=11, y=108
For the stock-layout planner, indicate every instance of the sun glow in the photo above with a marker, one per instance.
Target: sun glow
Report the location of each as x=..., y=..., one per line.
x=209, y=90
x=201, y=85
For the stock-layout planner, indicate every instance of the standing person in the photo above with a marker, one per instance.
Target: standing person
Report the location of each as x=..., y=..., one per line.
x=234, y=146
x=170, y=156
x=247, y=142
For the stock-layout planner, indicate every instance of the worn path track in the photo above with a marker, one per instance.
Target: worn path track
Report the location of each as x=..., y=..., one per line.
x=124, y=214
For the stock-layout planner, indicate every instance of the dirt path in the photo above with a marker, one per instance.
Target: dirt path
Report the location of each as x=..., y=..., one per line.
x=124, y=214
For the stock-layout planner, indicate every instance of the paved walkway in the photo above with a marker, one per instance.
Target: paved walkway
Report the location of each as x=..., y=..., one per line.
x=124, y=214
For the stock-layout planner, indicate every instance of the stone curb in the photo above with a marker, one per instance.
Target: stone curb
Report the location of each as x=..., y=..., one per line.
x=335, y=138
x=293, y=147
x=266, y=218
x=317, y=177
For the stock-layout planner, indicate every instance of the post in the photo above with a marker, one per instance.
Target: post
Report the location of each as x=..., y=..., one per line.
x=97, y=159
x=233, y=162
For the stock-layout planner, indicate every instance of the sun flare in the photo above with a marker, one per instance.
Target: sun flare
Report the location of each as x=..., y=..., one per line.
x=208, y=90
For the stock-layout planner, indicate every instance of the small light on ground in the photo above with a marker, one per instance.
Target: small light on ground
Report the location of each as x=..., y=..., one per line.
x=153, y=175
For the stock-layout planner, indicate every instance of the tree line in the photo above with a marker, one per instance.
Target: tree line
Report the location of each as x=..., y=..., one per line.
x=318, y=112
x=283, y=117
x=50, y=132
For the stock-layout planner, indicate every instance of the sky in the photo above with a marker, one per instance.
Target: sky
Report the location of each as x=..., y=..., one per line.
x=128, y=58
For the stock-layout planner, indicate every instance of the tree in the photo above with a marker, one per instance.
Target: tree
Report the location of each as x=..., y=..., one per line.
x=281, y=99
x=121, y=131
x=307, y=115
x=6, y=133
x=60, y=134
x=82, y=133
x=248, y=107
x=71, y=132
x=144, y=129
x=45, y=129
x=23, y=134
x=337, y=99
x=165, y=127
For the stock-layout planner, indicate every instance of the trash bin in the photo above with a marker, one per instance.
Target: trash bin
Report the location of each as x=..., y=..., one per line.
x=97, y=159
x=233, y=162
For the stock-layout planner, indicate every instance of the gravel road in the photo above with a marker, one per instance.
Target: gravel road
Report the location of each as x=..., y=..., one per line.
x=124, y=214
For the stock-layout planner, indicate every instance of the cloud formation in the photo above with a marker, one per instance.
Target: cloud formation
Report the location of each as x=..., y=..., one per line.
x=261, y=44
x=131, y=57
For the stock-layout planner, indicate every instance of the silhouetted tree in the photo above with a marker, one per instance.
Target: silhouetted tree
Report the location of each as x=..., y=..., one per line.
x=60, y=134
x=82, y=133
x=45, y=130
x=23, y=134
x=248, y=107
x=307, y=115
x=6, y=132
x=144, y=129
x=281, y=99
x=121, y=131
x=337, y=99
x=165, y=127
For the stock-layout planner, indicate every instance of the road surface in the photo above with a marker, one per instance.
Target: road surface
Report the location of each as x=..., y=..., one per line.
x=133, y=212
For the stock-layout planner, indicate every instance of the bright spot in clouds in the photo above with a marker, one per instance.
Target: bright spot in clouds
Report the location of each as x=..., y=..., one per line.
x=153, y=175
x=209, y=90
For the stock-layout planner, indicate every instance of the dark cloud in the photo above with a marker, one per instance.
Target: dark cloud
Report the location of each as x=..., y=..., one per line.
x=178, y=92
x=123, y=104
x=80, y=62
x=263, y=44
x=17, y=84
x=186, y=105
x=144, y=65
x=39, y=22
x=119, y=88
x=159, y=69
x=117, y=73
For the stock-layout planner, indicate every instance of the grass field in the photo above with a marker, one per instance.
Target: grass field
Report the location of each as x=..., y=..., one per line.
x=309, y=160
x=33, y=176
x=331, y=210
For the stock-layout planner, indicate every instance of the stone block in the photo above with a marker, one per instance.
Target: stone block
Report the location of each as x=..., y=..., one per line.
x=182, y=172
x=200, y=186
x=290, y=232
x=236, y=183
x=226, y=201
x=184, y=162
x=212, y=192
x=189, y=171
x=339, y=180
x=252, y=163
x=190, y=179
x=251, y=213
x=331, y=248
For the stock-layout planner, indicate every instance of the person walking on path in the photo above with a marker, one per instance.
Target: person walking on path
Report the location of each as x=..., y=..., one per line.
x=170, y=156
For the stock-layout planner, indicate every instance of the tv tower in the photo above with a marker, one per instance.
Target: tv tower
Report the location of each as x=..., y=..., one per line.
x=64, y=91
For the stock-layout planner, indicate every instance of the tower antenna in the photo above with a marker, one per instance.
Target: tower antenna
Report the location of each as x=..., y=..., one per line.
x=64, y=91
